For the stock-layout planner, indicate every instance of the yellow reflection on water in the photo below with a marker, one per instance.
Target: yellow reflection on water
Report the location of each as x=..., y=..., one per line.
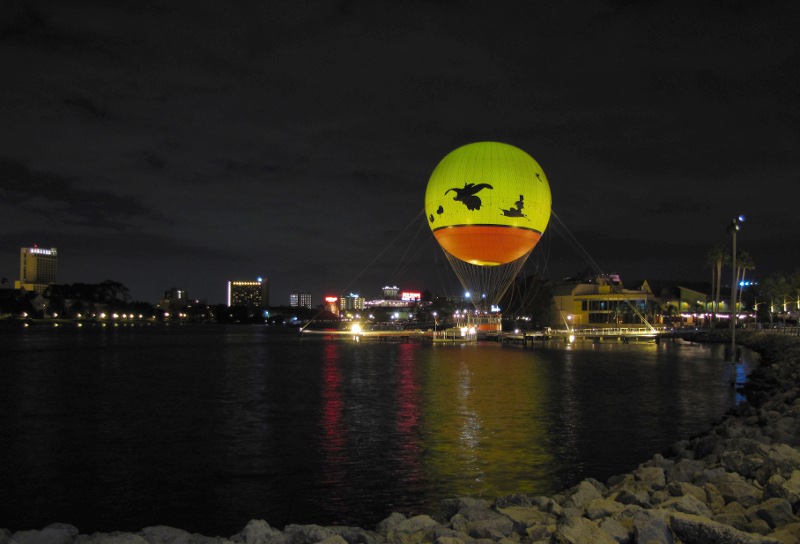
x=485, y=429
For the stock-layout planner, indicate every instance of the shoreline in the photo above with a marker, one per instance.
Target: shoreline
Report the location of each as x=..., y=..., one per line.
x=737, y=482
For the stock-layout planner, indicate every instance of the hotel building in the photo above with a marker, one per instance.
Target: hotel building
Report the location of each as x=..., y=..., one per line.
x=37, y=268
x=252, y=294
x=300, y=299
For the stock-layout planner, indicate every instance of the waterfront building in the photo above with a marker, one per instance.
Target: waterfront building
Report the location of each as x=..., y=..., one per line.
x=300, y=299
x=37, y=268
x=251, y=294
x=603, y=301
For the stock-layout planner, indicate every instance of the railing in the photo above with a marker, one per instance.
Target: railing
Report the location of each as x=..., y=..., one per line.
x=790, y=331
x=614, y=331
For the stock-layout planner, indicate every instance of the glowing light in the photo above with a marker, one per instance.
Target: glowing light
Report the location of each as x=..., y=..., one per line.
x=356, y=328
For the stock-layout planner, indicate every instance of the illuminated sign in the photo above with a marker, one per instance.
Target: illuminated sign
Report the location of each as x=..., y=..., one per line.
x=408, y=295
x=331, y=300
x=39, y=251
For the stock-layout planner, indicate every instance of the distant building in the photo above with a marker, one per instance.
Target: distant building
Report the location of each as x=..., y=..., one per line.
x=331, y=305
x=391, y=293
x=351, y=302
x=37, y=268
x=174, y=300
x=300, y=299
x=252, y=294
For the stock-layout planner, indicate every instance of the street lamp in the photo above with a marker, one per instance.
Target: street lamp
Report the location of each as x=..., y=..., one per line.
x=733, y=228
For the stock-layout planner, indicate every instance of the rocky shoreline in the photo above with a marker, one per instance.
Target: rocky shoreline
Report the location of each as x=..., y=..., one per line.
x=738, y=483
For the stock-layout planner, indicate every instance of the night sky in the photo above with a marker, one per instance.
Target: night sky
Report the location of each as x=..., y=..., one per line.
x=185, y=143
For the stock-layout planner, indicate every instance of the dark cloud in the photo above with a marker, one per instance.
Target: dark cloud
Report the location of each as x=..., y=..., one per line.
x=293, y=140
x=57, y=200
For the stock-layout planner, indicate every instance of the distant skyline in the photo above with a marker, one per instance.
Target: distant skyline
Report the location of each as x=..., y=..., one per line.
x=182, y=144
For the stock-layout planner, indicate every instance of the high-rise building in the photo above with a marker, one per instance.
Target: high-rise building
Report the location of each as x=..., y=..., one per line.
x=253, y=294
x=37, y=268
x=351, y=302
x=300, y=299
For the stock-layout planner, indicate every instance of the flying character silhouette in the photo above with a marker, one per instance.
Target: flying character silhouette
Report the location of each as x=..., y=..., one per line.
x=467, y=194
x=516, y=211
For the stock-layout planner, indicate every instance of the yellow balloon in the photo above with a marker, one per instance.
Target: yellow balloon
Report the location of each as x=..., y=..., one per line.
x=488, y=203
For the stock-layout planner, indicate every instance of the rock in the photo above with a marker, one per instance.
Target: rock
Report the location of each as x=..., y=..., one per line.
x=688, y=505
x=638, y=497
x=744, y=465
x=651, y=527
x=5, y=537
x=523, y=517
x=714, y=499
x=733, y=488
x=390, y=522
x=306, y=534
x=778, y=486
x=52, y=534
x=618, y=531
x=603, y=508
x=788, y=534
x=110, y=538
x=775, y=512
x=652, y=477
x=513, y=500
x=681, y=489
x=576, y=530
x=546, y=504
x=258, y=531
x=582, y=495
x=451, y=507
x=692, y=529
x=415, y=529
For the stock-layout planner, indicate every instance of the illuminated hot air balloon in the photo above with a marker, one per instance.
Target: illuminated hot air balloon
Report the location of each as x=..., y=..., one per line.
x=488, y=204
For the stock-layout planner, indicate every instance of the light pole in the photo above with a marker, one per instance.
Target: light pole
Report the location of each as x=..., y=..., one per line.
x=733, y=229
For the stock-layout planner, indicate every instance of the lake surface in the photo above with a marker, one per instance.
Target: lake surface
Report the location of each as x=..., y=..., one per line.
x=207, y=427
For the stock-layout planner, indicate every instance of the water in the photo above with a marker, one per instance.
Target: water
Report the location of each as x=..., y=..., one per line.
x=205, y=428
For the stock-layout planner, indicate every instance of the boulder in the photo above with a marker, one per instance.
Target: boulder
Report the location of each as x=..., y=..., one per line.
x=258, y=531
x=681, y=489
x=413, y=530
x=52, y=534
x=603, y=508
x=688, y=505
x=390, y=522
x=582, y=494
x=788, y=534
x=575, y=530
x=692, y=529
x=523, y=517
x=652, y=477
x=110, y=538
x=306, y=534
x=734, y=489
x=775, y=512
x=778, y=486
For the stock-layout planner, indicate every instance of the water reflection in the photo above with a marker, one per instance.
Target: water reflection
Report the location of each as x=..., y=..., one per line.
x=484, y=429
x=208, y=429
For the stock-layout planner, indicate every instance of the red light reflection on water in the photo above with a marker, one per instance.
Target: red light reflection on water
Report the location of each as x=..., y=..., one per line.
x=333, y=446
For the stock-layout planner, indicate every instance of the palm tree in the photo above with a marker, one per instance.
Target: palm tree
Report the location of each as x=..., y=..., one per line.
x=714, y=260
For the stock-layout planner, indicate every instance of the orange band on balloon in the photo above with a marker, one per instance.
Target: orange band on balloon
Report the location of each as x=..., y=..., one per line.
x=487, y=245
